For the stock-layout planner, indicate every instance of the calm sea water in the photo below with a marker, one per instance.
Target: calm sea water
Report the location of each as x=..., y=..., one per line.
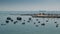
x=28, y=27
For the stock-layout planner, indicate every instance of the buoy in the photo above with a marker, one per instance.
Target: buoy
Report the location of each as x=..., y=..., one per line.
x=11, y=20
x=8, y=18
x=38, y=21
x=46, y=20
x=7, y=21
x=24, y=20
x=23, y=23
x=55, y=22
x=36, y=25
x=19, y=18
x=15, y=22
x=57, y=25
x=3, y=24
x=28, y=21
x=29, y=18
x=43, y=24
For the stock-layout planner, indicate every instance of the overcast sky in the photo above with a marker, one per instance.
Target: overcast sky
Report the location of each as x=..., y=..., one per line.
x=29, y=5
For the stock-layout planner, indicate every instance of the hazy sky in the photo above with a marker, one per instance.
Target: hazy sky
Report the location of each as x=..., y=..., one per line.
x=29, y=5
